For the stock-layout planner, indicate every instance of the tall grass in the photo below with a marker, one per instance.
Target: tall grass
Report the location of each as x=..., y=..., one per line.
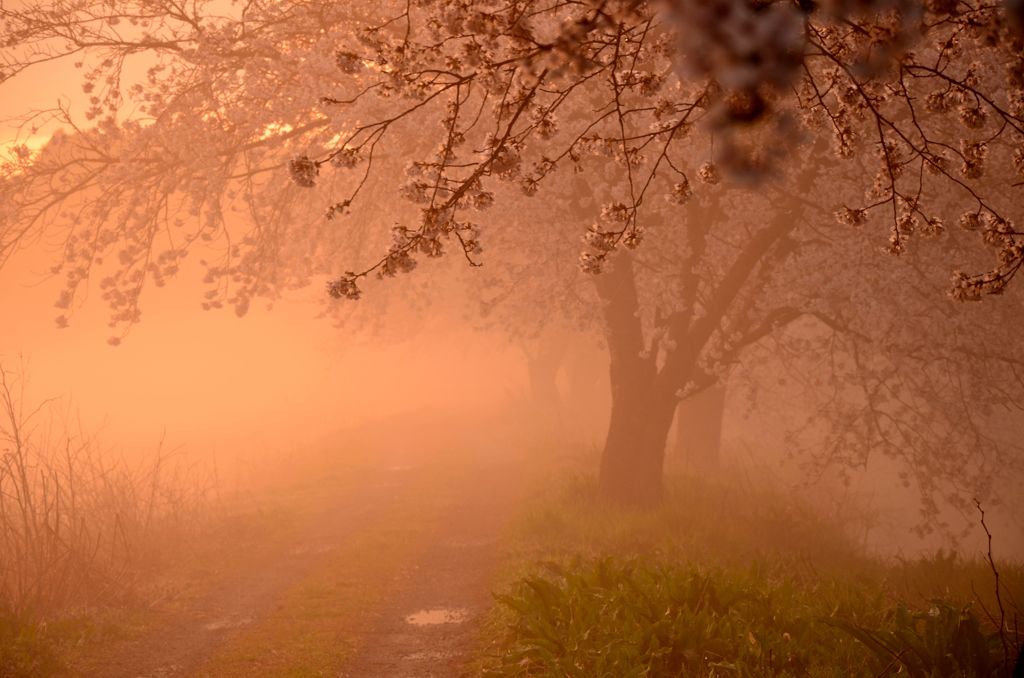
x=734, y=577
x=79, y=527
x=636, y=617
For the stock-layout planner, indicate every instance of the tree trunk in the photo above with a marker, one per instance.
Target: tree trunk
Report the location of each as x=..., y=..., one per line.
x=699, y=429
x=633, y=458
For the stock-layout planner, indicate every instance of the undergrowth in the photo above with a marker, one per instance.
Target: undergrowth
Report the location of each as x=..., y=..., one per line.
x=727, y=581
x=624, y=617
x=80, y=529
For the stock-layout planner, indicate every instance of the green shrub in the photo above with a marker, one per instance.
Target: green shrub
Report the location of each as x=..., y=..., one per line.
x=619, y=618
x=945, y=640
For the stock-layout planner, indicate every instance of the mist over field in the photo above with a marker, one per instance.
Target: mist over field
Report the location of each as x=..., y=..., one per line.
x=511, y=339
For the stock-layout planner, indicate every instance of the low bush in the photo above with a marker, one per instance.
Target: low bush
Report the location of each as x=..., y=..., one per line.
x=731, y=576
x=79, y=527
x=622, y=618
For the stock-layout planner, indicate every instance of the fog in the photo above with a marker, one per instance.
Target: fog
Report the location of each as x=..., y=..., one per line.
x=285, y=381
x=577, y=339
x=276, y=414
x=280, y=377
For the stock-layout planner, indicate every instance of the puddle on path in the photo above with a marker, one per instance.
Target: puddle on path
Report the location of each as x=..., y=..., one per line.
x=441, y=615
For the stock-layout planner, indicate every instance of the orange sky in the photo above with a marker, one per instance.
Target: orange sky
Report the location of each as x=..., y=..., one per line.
x=42, y=86
x=37, y=89
x=207, y=378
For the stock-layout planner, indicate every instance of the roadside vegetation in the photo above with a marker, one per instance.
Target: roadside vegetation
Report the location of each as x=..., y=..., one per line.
x=271, y=568
x=83, y=532
x=736, y=578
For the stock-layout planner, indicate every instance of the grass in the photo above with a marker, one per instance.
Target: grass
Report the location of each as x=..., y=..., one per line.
x=310, y=632
x=640, y=617
x=732, y=578
x=307, y=624
x=26, y=649
x=81, y=530
x=314, y=628
x=716, y=519
x=95, y=551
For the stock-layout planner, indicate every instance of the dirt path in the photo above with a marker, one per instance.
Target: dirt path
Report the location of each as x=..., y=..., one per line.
x=334, y=590
x=428, y=626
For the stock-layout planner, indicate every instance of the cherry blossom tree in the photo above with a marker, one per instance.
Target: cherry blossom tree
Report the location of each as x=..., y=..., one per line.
x=927, y=95
x=485, y=103
x=191, y=113
x=791, y=316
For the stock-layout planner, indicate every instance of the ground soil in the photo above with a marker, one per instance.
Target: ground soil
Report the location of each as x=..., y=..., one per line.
x=385, y=573
x=427, y=627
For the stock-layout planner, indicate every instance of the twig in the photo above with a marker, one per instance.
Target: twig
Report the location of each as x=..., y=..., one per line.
x=995, y=573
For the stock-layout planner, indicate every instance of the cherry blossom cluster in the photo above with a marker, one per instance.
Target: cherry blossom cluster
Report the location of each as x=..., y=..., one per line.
x=930, y=94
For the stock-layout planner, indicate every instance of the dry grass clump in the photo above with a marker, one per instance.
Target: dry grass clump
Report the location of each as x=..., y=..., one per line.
x=80, y=527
